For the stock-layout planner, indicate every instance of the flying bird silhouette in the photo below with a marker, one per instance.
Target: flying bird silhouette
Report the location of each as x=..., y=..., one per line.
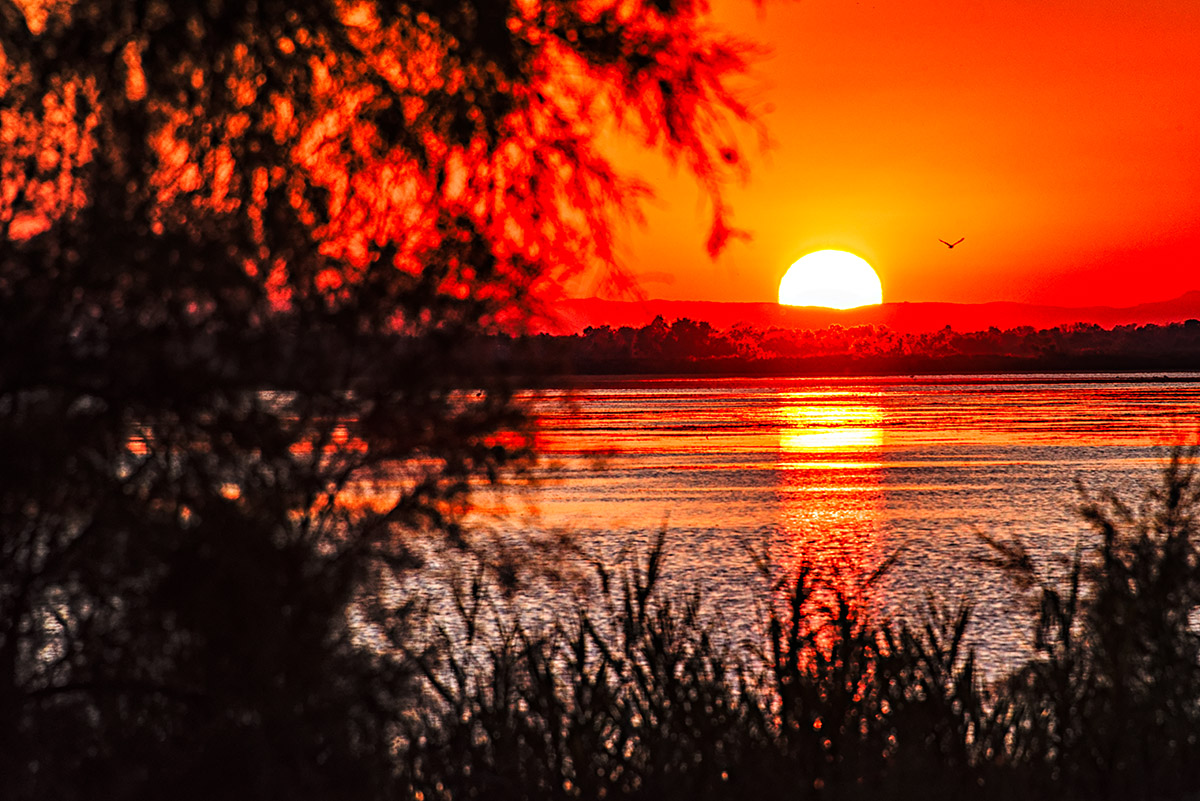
x=951, y=244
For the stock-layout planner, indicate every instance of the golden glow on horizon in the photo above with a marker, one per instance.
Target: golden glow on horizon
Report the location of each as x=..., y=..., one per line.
x=832, y=278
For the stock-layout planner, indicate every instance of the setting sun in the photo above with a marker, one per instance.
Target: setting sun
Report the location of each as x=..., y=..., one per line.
x=832, y=278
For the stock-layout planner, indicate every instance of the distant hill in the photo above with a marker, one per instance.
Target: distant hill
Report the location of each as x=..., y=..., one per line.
x=576, y=315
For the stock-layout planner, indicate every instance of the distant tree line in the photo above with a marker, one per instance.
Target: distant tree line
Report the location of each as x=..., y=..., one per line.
x=687, y=346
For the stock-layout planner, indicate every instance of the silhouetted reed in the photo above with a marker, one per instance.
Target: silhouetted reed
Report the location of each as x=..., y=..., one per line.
x=635, y=694
x=1110, y=705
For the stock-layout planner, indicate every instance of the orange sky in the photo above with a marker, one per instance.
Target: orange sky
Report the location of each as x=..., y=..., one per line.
x=1060, y=137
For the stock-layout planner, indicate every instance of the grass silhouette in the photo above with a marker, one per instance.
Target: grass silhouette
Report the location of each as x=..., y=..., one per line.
x=632, y=696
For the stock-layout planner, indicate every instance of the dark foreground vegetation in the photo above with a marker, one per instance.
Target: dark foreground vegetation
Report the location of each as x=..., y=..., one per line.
x=244, y=246
x=632, y=697
x=248, y=251
x=686, y=346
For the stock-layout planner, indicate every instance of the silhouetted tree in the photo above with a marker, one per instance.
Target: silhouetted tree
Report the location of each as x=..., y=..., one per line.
x=244, y=249
x=686, y=346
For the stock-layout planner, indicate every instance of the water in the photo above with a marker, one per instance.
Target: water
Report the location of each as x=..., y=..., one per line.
x=845, y=472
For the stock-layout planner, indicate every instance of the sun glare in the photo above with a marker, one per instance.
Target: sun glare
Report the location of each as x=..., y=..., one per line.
x=831, y=278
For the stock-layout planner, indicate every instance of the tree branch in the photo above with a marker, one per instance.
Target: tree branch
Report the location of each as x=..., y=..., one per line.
x=16, y=40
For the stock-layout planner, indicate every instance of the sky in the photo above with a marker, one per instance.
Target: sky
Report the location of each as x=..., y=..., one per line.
x=1061, y=138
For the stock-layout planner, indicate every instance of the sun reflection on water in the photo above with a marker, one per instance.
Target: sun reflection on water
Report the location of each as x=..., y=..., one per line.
x=830, y=487
x=823, y=430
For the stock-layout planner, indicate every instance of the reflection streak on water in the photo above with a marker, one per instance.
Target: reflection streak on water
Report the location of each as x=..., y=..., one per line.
x=682, y=450
x=809, y=426
x=729, y=465
x=830, y=488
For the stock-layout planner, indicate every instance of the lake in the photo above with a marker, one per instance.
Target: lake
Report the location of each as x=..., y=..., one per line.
x=845, y=472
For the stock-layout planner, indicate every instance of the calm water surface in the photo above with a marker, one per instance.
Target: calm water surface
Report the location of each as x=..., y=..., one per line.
x=848, y=472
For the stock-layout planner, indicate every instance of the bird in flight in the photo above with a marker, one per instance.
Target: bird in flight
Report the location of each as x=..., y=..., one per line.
x=951, y=244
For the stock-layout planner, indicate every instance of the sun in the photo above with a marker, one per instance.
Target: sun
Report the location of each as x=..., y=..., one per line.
x=832, y=278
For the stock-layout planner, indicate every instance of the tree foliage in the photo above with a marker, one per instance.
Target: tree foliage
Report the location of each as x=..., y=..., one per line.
x=243, y=247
